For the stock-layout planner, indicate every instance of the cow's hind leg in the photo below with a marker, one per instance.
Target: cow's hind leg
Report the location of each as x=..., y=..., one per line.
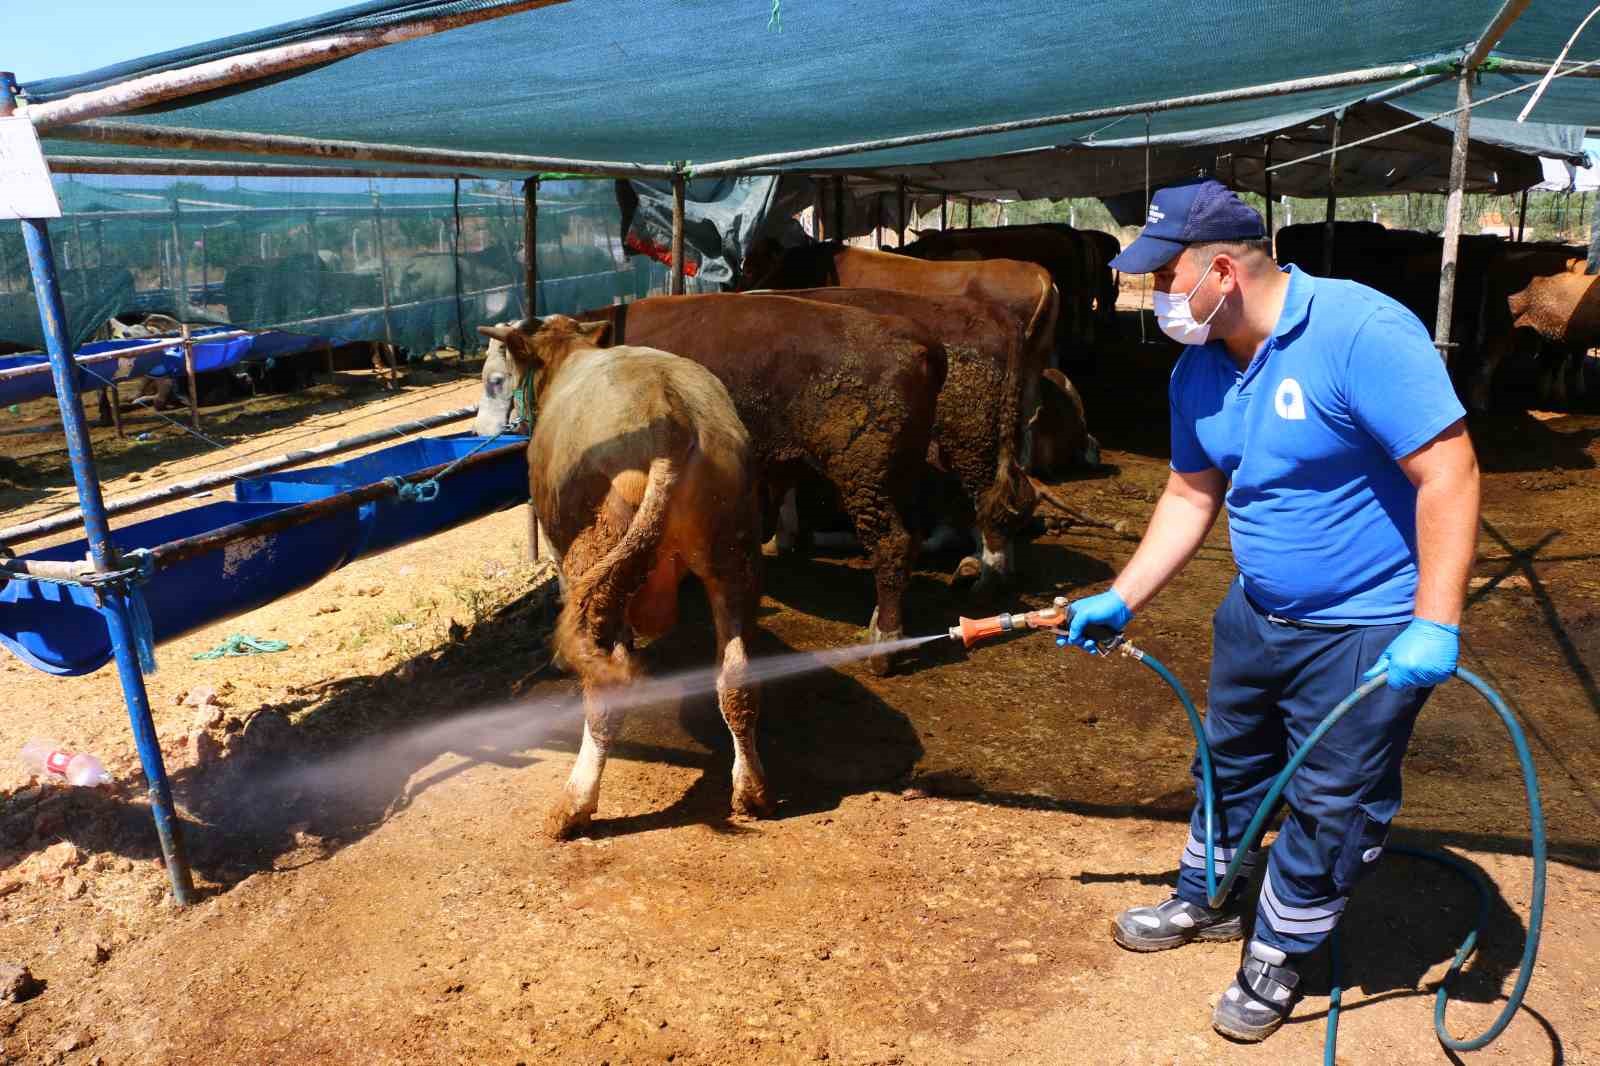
x=995, y=562
x=733, y=608
x=888, y=543
x=580, y=797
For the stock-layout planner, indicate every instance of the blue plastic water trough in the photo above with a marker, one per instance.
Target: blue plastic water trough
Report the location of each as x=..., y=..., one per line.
x=166, y=362
x=57, y=628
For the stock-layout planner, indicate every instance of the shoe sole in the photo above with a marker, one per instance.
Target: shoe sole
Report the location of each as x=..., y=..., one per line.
x=1251, y=1035
x=1149, y=944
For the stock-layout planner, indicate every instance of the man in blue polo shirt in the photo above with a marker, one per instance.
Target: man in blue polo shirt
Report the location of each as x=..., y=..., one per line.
x=1319, y=413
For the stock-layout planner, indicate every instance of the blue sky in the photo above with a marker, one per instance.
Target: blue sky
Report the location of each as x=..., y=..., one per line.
x=73, y=36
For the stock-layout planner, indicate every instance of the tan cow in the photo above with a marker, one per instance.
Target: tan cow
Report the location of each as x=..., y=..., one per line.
x=640, y=470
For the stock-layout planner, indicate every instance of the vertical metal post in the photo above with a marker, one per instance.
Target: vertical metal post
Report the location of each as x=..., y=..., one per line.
x=383, y=273
x=116, y=607
x=530, y=247
x=969, y=212
x=877, y=220
x=1452, y=215
x=944, y=211
x=83, y=262
x=530, y=303
x=838, y=233
x=1266, y=178
x=1522, y=216
x=205, y=267
x=99, y=243
x=678, y=184
x=901, y=215
x=455, y=259
x=180, y=272
x=315, y=264
x=1333, y=198
x=1594, y=241
x=188, y=369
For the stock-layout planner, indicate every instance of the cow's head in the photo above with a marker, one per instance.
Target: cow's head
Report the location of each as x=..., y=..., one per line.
x=523, y=358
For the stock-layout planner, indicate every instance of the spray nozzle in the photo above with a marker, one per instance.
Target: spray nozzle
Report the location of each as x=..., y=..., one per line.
x=1055, y=617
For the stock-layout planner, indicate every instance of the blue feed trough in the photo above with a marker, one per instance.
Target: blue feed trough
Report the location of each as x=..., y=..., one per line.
x=209, y=355
x=57, y=628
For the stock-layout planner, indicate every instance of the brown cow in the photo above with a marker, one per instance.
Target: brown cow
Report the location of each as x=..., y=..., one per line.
x=848, y=393
x=979, y=424
x=1563, y=309
x=1022, y=291
x=641, y=472
x=1076, y=259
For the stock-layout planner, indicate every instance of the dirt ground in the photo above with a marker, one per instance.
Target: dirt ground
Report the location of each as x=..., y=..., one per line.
x=934, y=889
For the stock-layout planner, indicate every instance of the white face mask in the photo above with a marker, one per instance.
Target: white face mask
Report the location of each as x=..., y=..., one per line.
x=1175, y=318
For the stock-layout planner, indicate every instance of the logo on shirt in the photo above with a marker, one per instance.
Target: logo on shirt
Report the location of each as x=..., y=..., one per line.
x=1290, y=402
x=1156, y=215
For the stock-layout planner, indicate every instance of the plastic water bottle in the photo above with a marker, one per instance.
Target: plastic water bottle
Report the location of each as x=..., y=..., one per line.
x=48, y=760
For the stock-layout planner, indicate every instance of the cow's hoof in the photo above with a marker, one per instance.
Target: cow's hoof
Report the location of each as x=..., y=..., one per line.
x=563, y=820
x=880, y=665
x=750, y=800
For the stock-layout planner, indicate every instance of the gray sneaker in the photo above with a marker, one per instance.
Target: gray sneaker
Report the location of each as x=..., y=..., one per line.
x=1173, y=923
x=1261, y=996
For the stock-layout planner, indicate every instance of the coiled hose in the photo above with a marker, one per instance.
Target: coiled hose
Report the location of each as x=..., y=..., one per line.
x=1252, y=836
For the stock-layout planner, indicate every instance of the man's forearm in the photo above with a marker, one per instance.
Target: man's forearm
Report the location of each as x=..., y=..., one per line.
x=1447, y=540
x=1177, y=529
x=1445, y=472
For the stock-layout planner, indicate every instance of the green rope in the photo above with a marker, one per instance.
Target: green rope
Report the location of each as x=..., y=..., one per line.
x=243, y=644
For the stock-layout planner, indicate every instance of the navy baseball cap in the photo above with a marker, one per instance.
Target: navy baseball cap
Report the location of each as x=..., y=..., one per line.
x=1192, y=213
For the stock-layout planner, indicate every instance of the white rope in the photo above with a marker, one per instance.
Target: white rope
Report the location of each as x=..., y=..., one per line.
x=1545, y=81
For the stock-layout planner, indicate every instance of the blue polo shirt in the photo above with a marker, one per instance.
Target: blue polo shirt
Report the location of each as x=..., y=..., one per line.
x=1322, y=519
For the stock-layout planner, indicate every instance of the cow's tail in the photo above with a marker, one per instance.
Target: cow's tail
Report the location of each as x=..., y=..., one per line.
x=598, y=598
x=1011, y=500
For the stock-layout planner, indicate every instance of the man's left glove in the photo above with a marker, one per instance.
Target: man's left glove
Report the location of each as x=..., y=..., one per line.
x=1423, y=655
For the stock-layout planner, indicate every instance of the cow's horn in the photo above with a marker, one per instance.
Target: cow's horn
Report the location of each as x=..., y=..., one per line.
x=499, y=333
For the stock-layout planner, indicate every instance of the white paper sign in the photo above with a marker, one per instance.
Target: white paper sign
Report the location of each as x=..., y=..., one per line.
x=25, y=188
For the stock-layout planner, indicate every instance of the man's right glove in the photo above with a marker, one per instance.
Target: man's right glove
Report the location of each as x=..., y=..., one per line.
x=1106, y=609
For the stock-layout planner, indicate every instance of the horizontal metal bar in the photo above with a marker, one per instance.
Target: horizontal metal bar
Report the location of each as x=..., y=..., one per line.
x=177, y=551
x=181, y=138
x=174, y=85
x=1496, y=65
x=73, y=570
x=190, y=213
x=158, y=345
x=1253, y=92
x=127, y=504
x=1427, y=119
x=183, y=168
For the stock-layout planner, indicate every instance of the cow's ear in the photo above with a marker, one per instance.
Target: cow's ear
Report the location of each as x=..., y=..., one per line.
x=595, y=331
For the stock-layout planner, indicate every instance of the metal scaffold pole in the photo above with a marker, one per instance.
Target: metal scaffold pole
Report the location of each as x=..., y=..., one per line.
x=117, y=607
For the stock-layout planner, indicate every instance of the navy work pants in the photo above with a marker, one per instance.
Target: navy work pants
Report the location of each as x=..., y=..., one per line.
x=1272, y=682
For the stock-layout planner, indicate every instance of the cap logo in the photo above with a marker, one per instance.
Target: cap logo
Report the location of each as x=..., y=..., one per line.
x=1156, y=215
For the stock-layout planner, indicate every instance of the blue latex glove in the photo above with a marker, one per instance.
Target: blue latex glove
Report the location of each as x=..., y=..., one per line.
x=1106, y=608
x=1423, y=655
